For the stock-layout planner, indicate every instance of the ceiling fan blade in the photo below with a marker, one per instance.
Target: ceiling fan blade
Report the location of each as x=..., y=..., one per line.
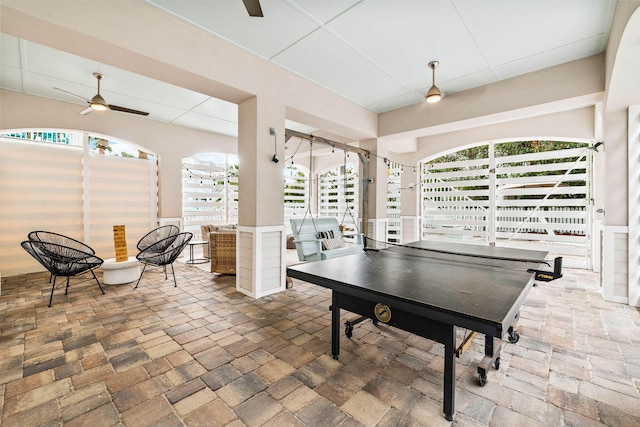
x=127, y=110
x=86, y=111
x=72, y=94
x=253, y=7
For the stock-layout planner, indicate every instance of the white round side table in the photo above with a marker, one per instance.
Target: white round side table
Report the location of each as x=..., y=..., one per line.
x=117, y=273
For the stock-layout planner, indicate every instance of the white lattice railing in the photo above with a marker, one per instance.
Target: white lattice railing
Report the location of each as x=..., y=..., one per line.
x=541, y=197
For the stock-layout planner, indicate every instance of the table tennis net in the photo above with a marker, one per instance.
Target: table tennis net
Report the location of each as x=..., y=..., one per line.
x=472, y=256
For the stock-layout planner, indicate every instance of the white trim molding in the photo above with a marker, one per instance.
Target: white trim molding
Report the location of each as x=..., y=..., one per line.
x=261, y=260
x=376, y=230
x=634, y=205
x=614, y=273
x=410, y=228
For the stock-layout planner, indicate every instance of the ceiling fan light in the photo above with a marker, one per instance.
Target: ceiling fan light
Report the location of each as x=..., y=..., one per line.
x=434, y=95
x=98, y=103
x=98, y=107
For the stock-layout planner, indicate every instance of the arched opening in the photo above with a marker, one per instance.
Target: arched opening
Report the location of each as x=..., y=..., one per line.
x=74, y=183
x=209, y=190
x=517, y=194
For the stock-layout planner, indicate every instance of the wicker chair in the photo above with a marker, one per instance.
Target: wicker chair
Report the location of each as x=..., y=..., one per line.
x=164, y=252
x=63, y=261
x=222, y=248
x=207, y=229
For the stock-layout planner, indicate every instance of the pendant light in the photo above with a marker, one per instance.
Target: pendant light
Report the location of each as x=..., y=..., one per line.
x=434, y=95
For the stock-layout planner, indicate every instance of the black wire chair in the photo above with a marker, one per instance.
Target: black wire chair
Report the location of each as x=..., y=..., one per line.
x=164, y=252
x=63, y=261
x=154, y=236
x=60, y=239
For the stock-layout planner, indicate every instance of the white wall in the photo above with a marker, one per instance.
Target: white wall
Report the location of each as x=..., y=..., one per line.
x=575, y=125
x=561, y=88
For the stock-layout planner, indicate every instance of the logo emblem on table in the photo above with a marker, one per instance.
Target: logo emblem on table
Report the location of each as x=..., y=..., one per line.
x=382, y=312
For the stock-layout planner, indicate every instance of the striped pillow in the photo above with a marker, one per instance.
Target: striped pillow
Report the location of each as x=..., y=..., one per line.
x=325, y=234
x=334, y=243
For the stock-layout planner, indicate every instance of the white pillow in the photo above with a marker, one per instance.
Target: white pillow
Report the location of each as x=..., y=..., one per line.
x=334, y=243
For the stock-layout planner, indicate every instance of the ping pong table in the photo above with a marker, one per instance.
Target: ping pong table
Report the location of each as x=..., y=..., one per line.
x=431, y=289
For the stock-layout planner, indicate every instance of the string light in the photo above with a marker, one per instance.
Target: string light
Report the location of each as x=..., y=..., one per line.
x=367, y=154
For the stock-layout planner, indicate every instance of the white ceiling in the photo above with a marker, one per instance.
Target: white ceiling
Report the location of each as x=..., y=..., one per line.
x=373, y=52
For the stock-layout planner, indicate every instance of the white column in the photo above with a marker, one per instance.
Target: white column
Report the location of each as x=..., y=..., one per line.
x=261, y=238
x=409, y=204
x=261, y=264
x=491, y=214
x=377, y=194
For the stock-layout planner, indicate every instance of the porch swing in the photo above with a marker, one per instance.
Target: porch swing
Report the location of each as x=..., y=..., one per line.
x=321, y=238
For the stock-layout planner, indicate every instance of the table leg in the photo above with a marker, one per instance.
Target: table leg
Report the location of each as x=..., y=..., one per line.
x=488, y=345
x=335, y=325
x=449, y=396
x=491, y=357
x=192, y=258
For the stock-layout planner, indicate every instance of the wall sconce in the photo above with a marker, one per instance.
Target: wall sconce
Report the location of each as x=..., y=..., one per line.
x=595, y=146
x=275, y=158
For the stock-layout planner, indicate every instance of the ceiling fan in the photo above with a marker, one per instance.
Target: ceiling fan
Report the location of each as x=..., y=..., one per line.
x=253, y=8
x=98, y=103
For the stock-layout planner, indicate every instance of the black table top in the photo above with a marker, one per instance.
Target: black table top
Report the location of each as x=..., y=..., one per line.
x=476, y=288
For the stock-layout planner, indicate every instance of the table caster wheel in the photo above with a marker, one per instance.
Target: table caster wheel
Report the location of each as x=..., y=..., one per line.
x=496, y=363
x=482, y=376
x=348, y=331
x=482, y=380
x=448, y=417
x=513, y=335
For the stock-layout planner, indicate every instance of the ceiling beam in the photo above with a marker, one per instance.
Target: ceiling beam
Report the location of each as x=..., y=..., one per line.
x=289, y=133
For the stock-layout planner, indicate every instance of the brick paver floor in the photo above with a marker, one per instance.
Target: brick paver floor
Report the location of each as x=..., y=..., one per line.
x=203, y=354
